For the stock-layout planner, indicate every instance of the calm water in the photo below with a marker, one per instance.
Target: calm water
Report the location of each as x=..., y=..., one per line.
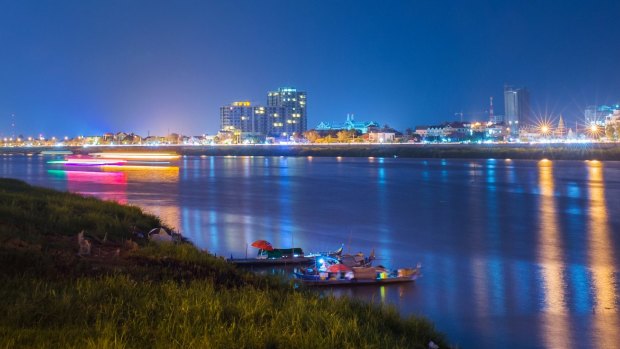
x=515, y=253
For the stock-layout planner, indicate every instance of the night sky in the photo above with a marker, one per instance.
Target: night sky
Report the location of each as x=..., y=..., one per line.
x=92, y=66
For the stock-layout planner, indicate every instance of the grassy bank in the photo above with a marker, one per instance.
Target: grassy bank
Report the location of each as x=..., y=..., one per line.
x=135, y=294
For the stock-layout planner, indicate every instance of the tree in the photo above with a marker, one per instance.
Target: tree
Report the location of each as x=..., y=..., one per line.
x=610, y=132
x=343, y=136
x=311, y=136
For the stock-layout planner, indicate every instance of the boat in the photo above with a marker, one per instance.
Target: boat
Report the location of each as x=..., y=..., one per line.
x=341, y=275
x=357, y=260
x=337, y=257
x=268, y=255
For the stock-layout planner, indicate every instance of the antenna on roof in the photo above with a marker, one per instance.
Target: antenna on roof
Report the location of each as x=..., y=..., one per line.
x=13, y=125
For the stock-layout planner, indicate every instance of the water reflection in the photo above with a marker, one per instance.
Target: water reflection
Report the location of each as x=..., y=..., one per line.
x=551, y=259
x=601, y=260
x=515, y=254
x=104, y=185
x=156, y=174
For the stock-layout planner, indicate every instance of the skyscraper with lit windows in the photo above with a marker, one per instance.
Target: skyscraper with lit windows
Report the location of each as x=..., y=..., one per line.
x=517, y=110
x=242, y=116
x=286, y=112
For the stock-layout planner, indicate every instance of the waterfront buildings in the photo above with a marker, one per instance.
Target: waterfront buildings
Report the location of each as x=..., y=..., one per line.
x=242, y=116
x=350, y=124
x=517, y=110
x=597, y=114
x=286, y=113
x=284, y=116
x=463, y=132
x=381, y=137
x=447, y=129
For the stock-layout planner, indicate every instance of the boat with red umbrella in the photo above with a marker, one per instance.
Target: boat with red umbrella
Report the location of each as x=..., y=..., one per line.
x=268, y=255
x=262, y=245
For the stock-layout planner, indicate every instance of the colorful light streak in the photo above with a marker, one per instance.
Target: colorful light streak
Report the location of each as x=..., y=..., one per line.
x=140, y=168
x=136, y=156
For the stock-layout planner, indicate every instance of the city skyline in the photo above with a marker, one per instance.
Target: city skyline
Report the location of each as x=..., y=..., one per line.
x=153, y=67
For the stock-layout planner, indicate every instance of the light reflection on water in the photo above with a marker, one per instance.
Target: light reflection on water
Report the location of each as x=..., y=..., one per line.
x=514, y=253
x=552, y=264
x=601, y=256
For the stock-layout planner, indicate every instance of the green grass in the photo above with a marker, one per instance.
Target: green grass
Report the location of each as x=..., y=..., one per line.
x=161, y=296
x=31, y=213
x=120, y=312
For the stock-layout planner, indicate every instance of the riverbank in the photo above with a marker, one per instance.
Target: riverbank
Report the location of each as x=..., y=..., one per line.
x=129, y=293
x=581, y=151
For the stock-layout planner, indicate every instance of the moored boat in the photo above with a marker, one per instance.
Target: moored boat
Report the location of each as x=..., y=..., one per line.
x=268, y=255
x=341, y=275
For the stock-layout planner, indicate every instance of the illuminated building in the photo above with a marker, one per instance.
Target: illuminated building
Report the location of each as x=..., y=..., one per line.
x=242, y=116
x=516, y=107
x=286, y=112
x=350, y=124
x=284, y=116
x=597, y=114
x=381, y=137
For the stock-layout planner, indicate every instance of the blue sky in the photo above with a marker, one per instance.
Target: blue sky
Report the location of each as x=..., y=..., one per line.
x=89, y=66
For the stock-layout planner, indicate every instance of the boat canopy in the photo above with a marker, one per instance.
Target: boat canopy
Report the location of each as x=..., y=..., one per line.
x=281, y=253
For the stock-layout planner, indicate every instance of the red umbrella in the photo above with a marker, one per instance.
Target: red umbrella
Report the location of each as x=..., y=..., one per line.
x=263, y=245
x=334, y=268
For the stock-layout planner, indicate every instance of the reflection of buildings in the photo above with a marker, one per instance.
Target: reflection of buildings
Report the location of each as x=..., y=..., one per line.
x=551, y=260
x=600, y=253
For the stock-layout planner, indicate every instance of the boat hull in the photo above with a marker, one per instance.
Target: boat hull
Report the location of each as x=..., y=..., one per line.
x=312, y=280
x=270, y=261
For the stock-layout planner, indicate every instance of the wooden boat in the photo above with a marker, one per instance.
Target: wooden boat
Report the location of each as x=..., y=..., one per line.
x=271, y=261
x=358, y=276
x=267, y=255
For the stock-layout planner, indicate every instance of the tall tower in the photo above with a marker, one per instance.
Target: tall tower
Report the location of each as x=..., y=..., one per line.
x=561, y=130
x=13, y=125
x=240, y=116
x=491, y=114
x=286, y=112
x=516, y=107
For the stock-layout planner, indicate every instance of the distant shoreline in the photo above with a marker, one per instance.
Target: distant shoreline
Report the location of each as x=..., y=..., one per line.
x=584, y=151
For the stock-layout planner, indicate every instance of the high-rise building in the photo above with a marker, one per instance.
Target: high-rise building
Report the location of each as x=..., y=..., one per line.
x=516, y=108
x=596, y=114
x=286, y=112
x=242, y=116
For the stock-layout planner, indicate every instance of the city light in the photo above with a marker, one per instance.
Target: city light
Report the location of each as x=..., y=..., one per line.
x=544, y=126
x=137, y=156
x=594, y=131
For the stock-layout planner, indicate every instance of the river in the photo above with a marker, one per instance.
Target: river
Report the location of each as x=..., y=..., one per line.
x=515, y=254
